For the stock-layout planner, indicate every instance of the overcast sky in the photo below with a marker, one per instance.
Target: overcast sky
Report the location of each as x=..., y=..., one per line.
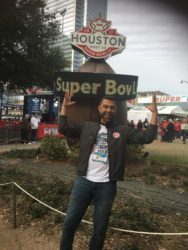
x=157, y=43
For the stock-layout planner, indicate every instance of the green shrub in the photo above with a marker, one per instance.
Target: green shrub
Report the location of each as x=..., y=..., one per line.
x=53, y=192
x=185, y=183
x=150, y=179
x=130, y=246
x=55, y=147
x=38, y=211
x=134, y=152
x=137, y=216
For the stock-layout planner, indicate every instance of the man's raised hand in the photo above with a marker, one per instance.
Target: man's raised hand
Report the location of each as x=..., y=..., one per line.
x=153, y=109
x=67, y=102
x=153, y=106
x=67, y=99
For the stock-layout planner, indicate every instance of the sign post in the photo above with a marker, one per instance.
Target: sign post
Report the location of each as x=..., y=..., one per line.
x=95, y=79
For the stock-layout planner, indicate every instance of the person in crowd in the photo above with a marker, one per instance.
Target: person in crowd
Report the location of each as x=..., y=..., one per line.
x=145, y=124
x=177, y=128
x=139, y=125
x=170, y=131
x=35, y=120
x=101, y=165
x=131, y=124
x=25, y=129
x=163, y=127
x=184, y=130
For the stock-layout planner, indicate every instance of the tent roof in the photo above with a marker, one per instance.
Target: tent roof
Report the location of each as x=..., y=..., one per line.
x=162, y=110
x=169, y=110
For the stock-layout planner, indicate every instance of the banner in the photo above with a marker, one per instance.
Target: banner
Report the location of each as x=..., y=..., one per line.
x=33, y=105
x=95, y=85
x=164, y=99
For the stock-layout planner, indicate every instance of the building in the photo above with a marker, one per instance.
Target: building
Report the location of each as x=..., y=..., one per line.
x=72, y=15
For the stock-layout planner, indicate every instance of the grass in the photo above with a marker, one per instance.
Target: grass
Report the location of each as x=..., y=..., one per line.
x=21, y=153
x=175, y=160
x=172, y=153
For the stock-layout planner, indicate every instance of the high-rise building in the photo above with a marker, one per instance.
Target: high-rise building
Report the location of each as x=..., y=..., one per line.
x=72, y=15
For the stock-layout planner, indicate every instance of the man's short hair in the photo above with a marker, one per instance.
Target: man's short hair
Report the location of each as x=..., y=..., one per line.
x=108, y=97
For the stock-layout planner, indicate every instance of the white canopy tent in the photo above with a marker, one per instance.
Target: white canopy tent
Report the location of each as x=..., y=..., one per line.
x=172, y=110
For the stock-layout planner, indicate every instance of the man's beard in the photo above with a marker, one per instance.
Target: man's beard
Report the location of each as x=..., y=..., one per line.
x=107, y=117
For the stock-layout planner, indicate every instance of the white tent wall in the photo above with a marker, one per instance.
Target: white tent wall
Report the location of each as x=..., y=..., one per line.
x=138, y=114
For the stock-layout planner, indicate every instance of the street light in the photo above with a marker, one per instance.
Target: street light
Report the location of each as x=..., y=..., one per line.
x=62, y=13
x=183, y=81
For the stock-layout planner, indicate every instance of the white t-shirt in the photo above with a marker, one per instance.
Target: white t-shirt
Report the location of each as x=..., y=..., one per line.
x=184, y=126
x=98, y=166
x=34, y=122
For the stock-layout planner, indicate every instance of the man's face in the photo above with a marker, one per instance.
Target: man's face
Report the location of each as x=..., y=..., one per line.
x=107, y=109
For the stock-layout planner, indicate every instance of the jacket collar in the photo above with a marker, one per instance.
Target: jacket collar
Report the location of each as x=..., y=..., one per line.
x=109, y=125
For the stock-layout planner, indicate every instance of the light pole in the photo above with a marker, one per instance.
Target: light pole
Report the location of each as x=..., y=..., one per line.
x=186, y=105
x=1, y=98
x=183, y=81
x=62, y=13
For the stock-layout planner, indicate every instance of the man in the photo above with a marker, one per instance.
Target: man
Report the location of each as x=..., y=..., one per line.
x=35, y=120
x=184, y=130
x=101, y=165
x=25, y=127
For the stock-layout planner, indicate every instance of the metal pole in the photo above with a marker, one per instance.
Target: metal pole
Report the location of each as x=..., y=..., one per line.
x=14, y=205
x=7, y=135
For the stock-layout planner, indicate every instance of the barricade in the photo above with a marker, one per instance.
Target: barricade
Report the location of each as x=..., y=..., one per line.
x=10, y=132
x=14, y=184
x=48, y=129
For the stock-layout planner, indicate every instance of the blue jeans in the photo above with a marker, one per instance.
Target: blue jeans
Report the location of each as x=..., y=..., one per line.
x=184, y=134
x=85, y=191
x=34, y=134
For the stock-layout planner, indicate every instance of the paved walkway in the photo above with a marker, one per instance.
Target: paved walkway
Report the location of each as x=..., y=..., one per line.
x=13, y=146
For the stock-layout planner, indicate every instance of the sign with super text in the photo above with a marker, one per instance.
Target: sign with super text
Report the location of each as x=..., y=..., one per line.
x=96, y=85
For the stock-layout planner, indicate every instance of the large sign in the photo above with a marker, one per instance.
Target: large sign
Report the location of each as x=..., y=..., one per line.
x=164, y=99
x=98, y=39
x=92, y=85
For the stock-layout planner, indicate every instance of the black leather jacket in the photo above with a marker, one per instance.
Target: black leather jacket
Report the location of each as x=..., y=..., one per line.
x=118, y=137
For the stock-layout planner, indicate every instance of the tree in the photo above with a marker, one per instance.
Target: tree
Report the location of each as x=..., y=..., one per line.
x=27, y=34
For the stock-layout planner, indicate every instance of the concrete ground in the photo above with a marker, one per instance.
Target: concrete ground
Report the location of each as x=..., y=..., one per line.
x=13, y=146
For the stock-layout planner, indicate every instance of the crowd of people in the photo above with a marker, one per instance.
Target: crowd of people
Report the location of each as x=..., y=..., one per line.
x=174, y=129
x=168, y=129
x=139, y=125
